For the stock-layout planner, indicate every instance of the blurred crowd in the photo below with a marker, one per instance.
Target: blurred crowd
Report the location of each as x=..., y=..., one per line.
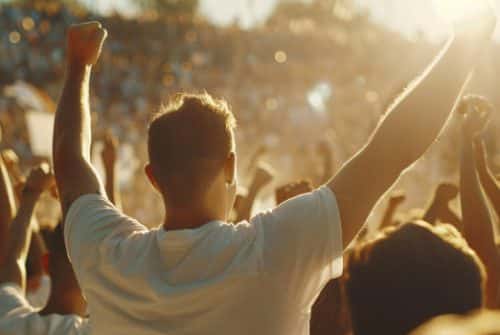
x=284, y=77
x=329, y=82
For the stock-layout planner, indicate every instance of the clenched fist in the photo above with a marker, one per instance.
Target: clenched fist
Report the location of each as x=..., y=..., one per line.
x=476, y=111
x=40, y=179
x=84, y=43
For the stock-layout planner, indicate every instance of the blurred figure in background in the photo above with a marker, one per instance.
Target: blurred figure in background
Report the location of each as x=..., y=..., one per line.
x=478, y=224
x=66, y=308
x=409, y=274
x=480, y=323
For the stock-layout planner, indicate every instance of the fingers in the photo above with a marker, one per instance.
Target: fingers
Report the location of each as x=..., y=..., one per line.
x=85, y=42
x=41, y=178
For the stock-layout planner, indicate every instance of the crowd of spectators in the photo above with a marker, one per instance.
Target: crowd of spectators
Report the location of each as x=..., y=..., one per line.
x=307, y=95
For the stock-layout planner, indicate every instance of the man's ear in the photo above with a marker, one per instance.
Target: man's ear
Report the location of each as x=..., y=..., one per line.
x=46, y=262
x=149, y=173
x=230, y=168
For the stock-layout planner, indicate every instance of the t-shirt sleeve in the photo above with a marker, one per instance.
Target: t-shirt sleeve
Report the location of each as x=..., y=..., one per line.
x=17, y=316
x=12, y=300
x=302, y=240
x=94, y=228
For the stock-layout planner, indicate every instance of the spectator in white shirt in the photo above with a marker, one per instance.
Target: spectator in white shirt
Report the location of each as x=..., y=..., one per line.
x=195, y=273
x=66, y=307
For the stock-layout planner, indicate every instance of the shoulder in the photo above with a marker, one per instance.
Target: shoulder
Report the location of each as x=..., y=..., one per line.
x=13, y=301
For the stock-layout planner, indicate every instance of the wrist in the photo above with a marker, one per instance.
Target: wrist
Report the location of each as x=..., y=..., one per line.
x=110, y=168
x=31, y=193
x=77, y=69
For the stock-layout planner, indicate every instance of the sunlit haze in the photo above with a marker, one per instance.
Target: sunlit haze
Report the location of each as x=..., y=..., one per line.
x=408, y=17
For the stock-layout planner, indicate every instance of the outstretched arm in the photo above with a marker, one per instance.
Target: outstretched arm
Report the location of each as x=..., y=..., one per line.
x=19, y=235
x=488, y=180
x=75, y=175
x=408, y=129
x=478, y=225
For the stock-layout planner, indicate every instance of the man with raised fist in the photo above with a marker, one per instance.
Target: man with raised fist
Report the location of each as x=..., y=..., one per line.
x=197, y=274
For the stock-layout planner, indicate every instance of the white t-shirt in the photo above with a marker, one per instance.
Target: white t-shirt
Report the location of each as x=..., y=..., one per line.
x=38, y=299
x=252, y=278
x=18, y=317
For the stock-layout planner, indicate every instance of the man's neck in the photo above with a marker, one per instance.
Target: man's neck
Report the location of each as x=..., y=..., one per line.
x=189, y=219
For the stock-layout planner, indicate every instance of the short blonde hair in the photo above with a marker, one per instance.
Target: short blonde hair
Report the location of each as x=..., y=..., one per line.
x=189, y=141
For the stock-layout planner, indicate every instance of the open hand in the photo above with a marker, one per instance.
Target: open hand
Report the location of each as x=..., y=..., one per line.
x=84, y=43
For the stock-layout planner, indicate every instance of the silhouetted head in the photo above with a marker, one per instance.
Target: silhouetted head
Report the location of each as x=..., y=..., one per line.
x=192, y=155
x=410, y=274
x=479, y=323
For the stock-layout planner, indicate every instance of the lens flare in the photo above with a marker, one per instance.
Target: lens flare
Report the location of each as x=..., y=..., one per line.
x=454, y=10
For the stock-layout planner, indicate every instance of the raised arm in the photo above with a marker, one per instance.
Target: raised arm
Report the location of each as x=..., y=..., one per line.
x=7, y=207
x=394, y=202
x=75, y=175
x=408, y=129
x=478, y=225
x=262, y=177
x=109, y=158
x=439, y=209
x=325, y=152
x=486, y=176
x=19, y=234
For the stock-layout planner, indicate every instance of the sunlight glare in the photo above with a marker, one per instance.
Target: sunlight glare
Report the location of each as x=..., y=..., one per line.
x=454, y=10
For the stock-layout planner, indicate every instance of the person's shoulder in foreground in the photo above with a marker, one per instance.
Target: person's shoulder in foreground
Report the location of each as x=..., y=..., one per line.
x=18, y=317
x=479, y=323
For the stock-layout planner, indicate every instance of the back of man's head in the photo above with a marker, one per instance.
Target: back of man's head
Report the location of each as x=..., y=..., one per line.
x=410, y=274
x=189, y=143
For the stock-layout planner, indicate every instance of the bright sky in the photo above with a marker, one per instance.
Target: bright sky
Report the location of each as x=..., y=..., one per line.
x=407, y=16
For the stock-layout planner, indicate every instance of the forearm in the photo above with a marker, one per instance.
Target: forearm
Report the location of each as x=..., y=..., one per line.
x=387, y=219
x=431, y=214
x=74, y=173
x=403, y=136
x=112, y=186
x=72, y=128
x=7, y=207
x=418, y=116
x=19, y=242
x=486, y=177
x=328, y=168
x=477, y=222
x=245, y=209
